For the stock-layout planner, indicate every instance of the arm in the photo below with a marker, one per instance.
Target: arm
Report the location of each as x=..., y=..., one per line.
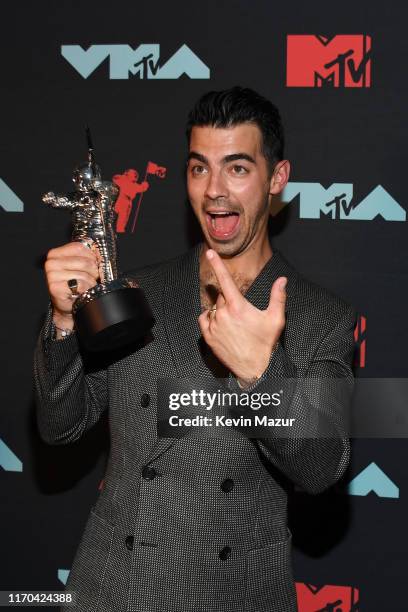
x=57, y=201
x=70, y=397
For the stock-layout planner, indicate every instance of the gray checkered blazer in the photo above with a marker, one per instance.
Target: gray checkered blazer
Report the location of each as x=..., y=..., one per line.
x=195, y=525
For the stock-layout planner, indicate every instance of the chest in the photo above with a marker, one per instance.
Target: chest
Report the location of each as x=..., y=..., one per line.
x=209, y=290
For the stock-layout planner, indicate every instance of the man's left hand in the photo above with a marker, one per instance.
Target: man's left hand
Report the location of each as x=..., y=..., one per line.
x=239, y=334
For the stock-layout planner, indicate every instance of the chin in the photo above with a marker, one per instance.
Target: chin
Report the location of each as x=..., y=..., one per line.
x=227, y=248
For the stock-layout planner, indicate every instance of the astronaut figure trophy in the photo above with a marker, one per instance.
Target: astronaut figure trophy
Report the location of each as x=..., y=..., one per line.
x=115, y=312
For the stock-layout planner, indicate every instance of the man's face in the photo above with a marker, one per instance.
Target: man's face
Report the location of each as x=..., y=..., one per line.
x=228, y=186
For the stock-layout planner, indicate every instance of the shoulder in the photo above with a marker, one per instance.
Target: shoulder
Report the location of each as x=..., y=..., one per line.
x=159, y=270
x=317, y=297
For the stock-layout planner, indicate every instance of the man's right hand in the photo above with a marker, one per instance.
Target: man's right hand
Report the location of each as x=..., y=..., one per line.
x=72, y=260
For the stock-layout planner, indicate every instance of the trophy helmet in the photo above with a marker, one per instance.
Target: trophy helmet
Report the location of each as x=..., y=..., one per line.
x=87, y=176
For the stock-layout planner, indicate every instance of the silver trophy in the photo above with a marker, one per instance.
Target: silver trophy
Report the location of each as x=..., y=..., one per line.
x=115, y=312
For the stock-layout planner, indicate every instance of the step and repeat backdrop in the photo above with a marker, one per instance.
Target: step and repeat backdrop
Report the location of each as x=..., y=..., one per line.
x=131, y=71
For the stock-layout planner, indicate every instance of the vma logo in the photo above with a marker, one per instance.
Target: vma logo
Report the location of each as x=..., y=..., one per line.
x=143, y=61
x=327, y=598
x=373, y=480
x=8, y=199
x=63, y=575
x=322, y=61
x=8, y=460
x=129, y=189
x=336, y=202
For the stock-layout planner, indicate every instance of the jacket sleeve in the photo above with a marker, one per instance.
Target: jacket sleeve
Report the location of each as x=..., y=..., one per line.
x=69, y=397
x=315, y=451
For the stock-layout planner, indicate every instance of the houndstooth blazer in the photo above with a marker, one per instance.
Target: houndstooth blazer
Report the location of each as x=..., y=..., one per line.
x=187, y=524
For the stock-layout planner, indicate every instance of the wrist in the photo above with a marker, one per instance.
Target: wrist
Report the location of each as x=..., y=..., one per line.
x=247, y=379
x=244, y=383
x=63, y=325
x=62, y=320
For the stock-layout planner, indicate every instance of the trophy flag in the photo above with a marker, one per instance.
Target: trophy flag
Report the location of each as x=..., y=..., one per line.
x=153, y=168
x=156, y=170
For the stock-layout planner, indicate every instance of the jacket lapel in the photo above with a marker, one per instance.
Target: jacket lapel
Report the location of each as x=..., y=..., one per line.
x=181, y=309
x=259, y=292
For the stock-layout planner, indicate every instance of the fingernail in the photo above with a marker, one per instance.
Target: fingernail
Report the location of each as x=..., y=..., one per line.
x=210, y=253
x=283, y=284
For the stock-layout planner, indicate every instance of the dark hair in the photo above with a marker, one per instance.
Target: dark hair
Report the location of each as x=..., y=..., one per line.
x=241, y=105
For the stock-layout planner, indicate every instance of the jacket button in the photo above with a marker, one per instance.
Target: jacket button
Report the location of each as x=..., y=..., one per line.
x=227, y=485
x=224, y=553
x=129, y=542
x=145, y=400
x=149, y=472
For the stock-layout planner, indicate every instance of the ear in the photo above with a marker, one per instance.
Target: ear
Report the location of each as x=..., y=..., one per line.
x=280, y=177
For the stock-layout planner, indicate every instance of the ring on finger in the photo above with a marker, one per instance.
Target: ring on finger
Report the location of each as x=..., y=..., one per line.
x=211, y=312
x=73, y=286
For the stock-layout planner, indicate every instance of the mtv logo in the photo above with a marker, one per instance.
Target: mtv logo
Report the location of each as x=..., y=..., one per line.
x=373, y=479
x=327, y=598
x=142, y=61
x=322, y=61
x=360, y=341
x=8, y=460
x=336, y=202
x=8, y=199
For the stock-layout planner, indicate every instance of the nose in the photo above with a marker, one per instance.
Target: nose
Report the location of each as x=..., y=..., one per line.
x=216, y=186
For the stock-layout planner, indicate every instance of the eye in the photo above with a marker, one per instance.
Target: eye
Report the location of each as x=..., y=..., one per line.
x=239, y=170
x=197, y=170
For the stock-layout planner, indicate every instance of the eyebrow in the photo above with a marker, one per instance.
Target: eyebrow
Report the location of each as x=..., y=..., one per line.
x=225, y=160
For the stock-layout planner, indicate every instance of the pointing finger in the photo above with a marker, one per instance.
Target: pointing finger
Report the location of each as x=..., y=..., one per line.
x=227, y=285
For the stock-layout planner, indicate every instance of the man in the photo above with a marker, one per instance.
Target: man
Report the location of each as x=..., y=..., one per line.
x=200, y=524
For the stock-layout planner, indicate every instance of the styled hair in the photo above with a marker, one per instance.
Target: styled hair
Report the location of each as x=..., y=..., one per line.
x=238, y=105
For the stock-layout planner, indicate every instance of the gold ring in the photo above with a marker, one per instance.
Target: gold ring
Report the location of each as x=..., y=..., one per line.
x=212, y=310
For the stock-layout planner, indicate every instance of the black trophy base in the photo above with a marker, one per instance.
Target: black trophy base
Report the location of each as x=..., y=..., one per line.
x=113, y=320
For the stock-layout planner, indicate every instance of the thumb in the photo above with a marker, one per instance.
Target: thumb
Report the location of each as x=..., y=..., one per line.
x=277, y=300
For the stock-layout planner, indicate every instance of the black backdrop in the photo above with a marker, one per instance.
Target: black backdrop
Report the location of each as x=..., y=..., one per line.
x=348, y=538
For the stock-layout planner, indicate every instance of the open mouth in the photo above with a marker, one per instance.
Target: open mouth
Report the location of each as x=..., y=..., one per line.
x=222, y=224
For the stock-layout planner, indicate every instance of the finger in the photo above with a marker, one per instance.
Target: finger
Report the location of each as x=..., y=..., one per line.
x=227, y=285
x=72, y=263
x=220, y=302
x=63, y=276
x=59, y=290
x=204, y=323
x=277, y=300
x=92, y=246
x=73, y=249
x=87, y=242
